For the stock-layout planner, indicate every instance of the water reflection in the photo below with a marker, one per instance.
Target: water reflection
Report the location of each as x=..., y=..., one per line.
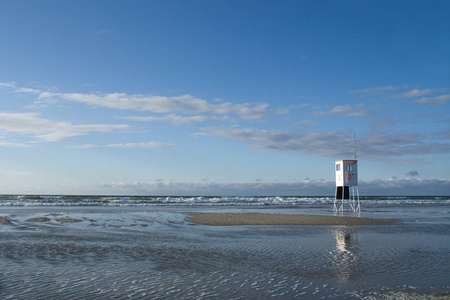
x=345, y=254
x=343, y=240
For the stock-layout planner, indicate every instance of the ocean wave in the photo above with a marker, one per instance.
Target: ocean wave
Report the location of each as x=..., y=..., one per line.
x=82, y=200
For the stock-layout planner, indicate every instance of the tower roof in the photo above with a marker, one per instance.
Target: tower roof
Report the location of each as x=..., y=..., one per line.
x=347, y=160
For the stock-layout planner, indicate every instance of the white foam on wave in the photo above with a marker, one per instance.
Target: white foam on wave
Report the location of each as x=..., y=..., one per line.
x=38, y=200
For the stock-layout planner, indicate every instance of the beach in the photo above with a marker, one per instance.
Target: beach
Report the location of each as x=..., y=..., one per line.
x=120, y=249
x=217, y=219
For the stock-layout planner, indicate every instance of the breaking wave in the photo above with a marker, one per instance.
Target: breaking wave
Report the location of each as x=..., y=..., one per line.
x=81, y=200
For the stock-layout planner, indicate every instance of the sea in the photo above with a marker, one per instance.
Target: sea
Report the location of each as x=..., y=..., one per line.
x=144, y=247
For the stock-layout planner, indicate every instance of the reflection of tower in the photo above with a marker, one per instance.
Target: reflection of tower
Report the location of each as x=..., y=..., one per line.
x=342, y=241
x=346, y=178
x=344, y=258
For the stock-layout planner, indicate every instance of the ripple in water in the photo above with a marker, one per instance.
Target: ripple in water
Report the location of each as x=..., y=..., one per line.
x=200, y=262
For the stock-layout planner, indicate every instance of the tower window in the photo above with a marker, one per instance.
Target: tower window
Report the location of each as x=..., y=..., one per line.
x=338, y=167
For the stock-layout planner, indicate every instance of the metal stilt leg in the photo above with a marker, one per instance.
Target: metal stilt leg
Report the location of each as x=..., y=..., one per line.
x=358, y=208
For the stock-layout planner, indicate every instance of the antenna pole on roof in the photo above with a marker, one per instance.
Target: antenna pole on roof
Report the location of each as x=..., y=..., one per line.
x=354, y=142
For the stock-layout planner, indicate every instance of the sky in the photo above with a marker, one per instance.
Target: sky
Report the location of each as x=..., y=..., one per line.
x=212, y=97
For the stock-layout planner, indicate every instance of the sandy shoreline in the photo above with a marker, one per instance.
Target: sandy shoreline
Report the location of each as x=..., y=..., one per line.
x=229, y=219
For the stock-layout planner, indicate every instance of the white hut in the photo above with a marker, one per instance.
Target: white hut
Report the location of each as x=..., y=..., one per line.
x=347, y=184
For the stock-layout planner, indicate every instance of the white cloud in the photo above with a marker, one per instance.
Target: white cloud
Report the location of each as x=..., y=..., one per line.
x=13, y=145
x=177, y=119
x=419, y=93
x=158, y=104
x=305, y=123
x=206, y=188
x=383, y=90
x=405, y=186
x=382, y=122
x=28, y=91
x=144, y=145
x=378, y=145
x=402, y=186
x=434, y=100
x=375, y=90
x=85, y=146
x=47, y=130
x=186, y=104
x=7, y=84
x=383, y=138
x=377, y=187
x=282, y=111
x=351, y=110
x=327, y=143
x=246, y=111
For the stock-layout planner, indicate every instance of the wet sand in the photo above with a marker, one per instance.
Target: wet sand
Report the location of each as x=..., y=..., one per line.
x=229, y=219
x=4, y=220
x=131, y=252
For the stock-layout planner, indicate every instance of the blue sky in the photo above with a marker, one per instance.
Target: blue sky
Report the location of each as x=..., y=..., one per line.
x=223, y=97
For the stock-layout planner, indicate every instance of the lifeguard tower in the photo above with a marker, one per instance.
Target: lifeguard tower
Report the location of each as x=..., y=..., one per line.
x=346, y=178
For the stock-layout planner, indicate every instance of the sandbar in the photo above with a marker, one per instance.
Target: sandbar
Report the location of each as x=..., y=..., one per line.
x=40, y=219
x=4, y=220
x=68, y=220
x=230, y=219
